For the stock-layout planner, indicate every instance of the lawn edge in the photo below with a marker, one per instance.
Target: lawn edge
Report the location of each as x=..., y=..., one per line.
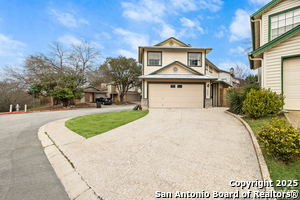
x=260, y=157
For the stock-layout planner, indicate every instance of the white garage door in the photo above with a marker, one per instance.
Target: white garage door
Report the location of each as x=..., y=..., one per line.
x=176, y=95
x=291, y=83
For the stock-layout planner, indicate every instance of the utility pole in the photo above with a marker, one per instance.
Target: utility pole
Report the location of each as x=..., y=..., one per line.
x=33, y=98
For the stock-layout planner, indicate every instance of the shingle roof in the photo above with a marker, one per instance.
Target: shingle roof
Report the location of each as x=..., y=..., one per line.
x=178, y=77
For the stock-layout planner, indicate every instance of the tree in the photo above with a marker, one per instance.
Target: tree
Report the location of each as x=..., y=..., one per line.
x=99, y=75
x=244, y=75
x=124, y=72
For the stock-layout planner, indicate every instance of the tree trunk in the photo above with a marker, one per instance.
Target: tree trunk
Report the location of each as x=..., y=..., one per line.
x=65, y=102
x=121, y=97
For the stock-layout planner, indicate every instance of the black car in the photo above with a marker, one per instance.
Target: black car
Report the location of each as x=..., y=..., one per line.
x=104, y=100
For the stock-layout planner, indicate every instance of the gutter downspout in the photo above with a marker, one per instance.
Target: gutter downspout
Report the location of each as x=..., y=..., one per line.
x=260, y=26
x=262, y=67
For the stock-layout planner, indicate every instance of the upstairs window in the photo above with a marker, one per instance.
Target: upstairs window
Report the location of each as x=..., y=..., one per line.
x=195, y=59
x=206, y=67
x=210, y=69
x=282, y=23
x=154, y=58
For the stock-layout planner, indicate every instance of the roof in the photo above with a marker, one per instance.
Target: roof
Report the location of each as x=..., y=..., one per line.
x=92, y=89
x=265, y=8
x=178, y=77
x=222, y=81
x=221, y=70
x=177, y=62
x=173, y=39
x=272, y=44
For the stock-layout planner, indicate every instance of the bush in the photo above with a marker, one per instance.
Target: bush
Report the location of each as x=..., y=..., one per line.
x=236, y=98
x=280, y=140
x=261, y=102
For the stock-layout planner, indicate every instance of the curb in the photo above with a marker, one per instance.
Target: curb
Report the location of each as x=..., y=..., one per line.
x=260, y=157
x=8, y=113
x=74, y=184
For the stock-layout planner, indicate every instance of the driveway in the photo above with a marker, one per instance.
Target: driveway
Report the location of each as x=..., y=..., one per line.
x=168, y=150
x=25, y=172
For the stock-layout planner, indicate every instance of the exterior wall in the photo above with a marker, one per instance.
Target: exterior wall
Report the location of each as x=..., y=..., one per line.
x=167, y=43
x=283, y=5
x=169, y=56
x=225, y=76
x=207, y=82
x=272, y=58
x=169, y=70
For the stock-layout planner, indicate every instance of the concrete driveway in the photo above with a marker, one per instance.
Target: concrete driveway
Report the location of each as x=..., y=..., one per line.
x=25, y=172
x=168, y=150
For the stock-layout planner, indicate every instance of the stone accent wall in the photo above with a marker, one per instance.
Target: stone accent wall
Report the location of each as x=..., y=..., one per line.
x=208, y=103
x=144, y=104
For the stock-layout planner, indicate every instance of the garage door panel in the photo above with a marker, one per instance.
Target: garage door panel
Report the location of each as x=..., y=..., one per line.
x=291, y=83
x=162, y=95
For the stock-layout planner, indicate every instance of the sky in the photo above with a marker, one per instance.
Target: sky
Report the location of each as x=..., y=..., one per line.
x=118, y=27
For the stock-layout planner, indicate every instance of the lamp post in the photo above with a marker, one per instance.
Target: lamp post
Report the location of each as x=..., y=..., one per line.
x=33, y=98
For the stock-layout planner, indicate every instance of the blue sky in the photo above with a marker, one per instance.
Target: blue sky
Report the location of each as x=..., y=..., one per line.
x=119, y=27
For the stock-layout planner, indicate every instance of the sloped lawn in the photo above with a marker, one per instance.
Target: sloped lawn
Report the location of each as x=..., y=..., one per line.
x=278, y=170
x=91, y=125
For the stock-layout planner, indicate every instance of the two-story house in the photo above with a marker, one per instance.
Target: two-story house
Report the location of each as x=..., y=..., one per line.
x=276, y=49
x=133, y=94
x=177, y=75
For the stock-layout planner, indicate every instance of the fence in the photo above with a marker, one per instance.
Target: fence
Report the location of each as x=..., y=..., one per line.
x=223, y=92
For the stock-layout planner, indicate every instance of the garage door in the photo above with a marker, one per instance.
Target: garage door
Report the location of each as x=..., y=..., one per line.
x=176, y=95
x=291, y=83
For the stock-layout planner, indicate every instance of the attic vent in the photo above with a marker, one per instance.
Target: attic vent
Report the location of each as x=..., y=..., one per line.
x=175, y=69
x=171, y=43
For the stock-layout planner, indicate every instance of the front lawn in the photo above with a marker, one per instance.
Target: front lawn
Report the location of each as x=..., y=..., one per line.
x=91, y=125
x=278, y=170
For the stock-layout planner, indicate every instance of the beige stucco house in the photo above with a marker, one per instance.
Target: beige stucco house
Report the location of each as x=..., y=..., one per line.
x=276, y=49
x=90, y=93
x=177, y=75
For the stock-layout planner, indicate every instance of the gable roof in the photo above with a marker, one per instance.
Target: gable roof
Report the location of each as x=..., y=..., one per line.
x=176, y=62
x=272, y=43
x=173, y=38
x=265, y=8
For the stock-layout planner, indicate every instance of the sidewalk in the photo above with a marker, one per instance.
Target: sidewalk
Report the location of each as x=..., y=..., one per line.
x=294, y=118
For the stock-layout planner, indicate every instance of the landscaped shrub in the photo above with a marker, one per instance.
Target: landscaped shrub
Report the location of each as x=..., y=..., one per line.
x=280, y=140
x=254, y=105
x=236, y=98
x=261, y=102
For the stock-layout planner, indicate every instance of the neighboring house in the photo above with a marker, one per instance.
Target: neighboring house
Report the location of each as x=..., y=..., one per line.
x=276, y=49
x=177, y=75
x=133, y=94
x=229, y=77
x=90, y=94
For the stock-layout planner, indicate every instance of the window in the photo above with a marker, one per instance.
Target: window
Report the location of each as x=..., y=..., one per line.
x=206, y=67
x=172, y=86
x=179, y=86
x=154, y=58
x=195, y=59
x=210, y=69
x=282, y=23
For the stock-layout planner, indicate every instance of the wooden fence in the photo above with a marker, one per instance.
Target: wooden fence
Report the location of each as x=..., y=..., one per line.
x=223, y=92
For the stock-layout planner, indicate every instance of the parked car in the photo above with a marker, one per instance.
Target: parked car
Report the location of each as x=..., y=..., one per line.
x=104, y=100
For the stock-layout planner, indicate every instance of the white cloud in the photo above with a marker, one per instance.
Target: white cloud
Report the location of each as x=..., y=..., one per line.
x=220, y=33
x=240, y=27
x=11, y=48
x=70, y=39
x=190, y=28
x=127, y=54
x=193, y=5
x=133, y=39
x=238, y=51
x=167, y=31
x=106, y=35
x=259, y=2
x=226, y=65
x=67, y=19
x=212, y=5
x=185, y=5
x=145, y=10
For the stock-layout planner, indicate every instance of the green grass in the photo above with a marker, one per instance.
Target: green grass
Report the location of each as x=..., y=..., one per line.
x=91, y=125
x=278, y=170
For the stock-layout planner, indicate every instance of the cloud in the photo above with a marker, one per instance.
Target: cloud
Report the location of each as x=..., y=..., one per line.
x=226, y=65
x=166, y=31
x=190, y=28
x=70, y=39
x=67, y=19
x=240, y=27
x=193, y=5
x=11, y=48
x=145, y=10
x=259, y=2
x=212, y=5
x=127, y=54
x=185, y=5
x=220, y=33
x=106, y=35
x=133, y=39
x=238, y=51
